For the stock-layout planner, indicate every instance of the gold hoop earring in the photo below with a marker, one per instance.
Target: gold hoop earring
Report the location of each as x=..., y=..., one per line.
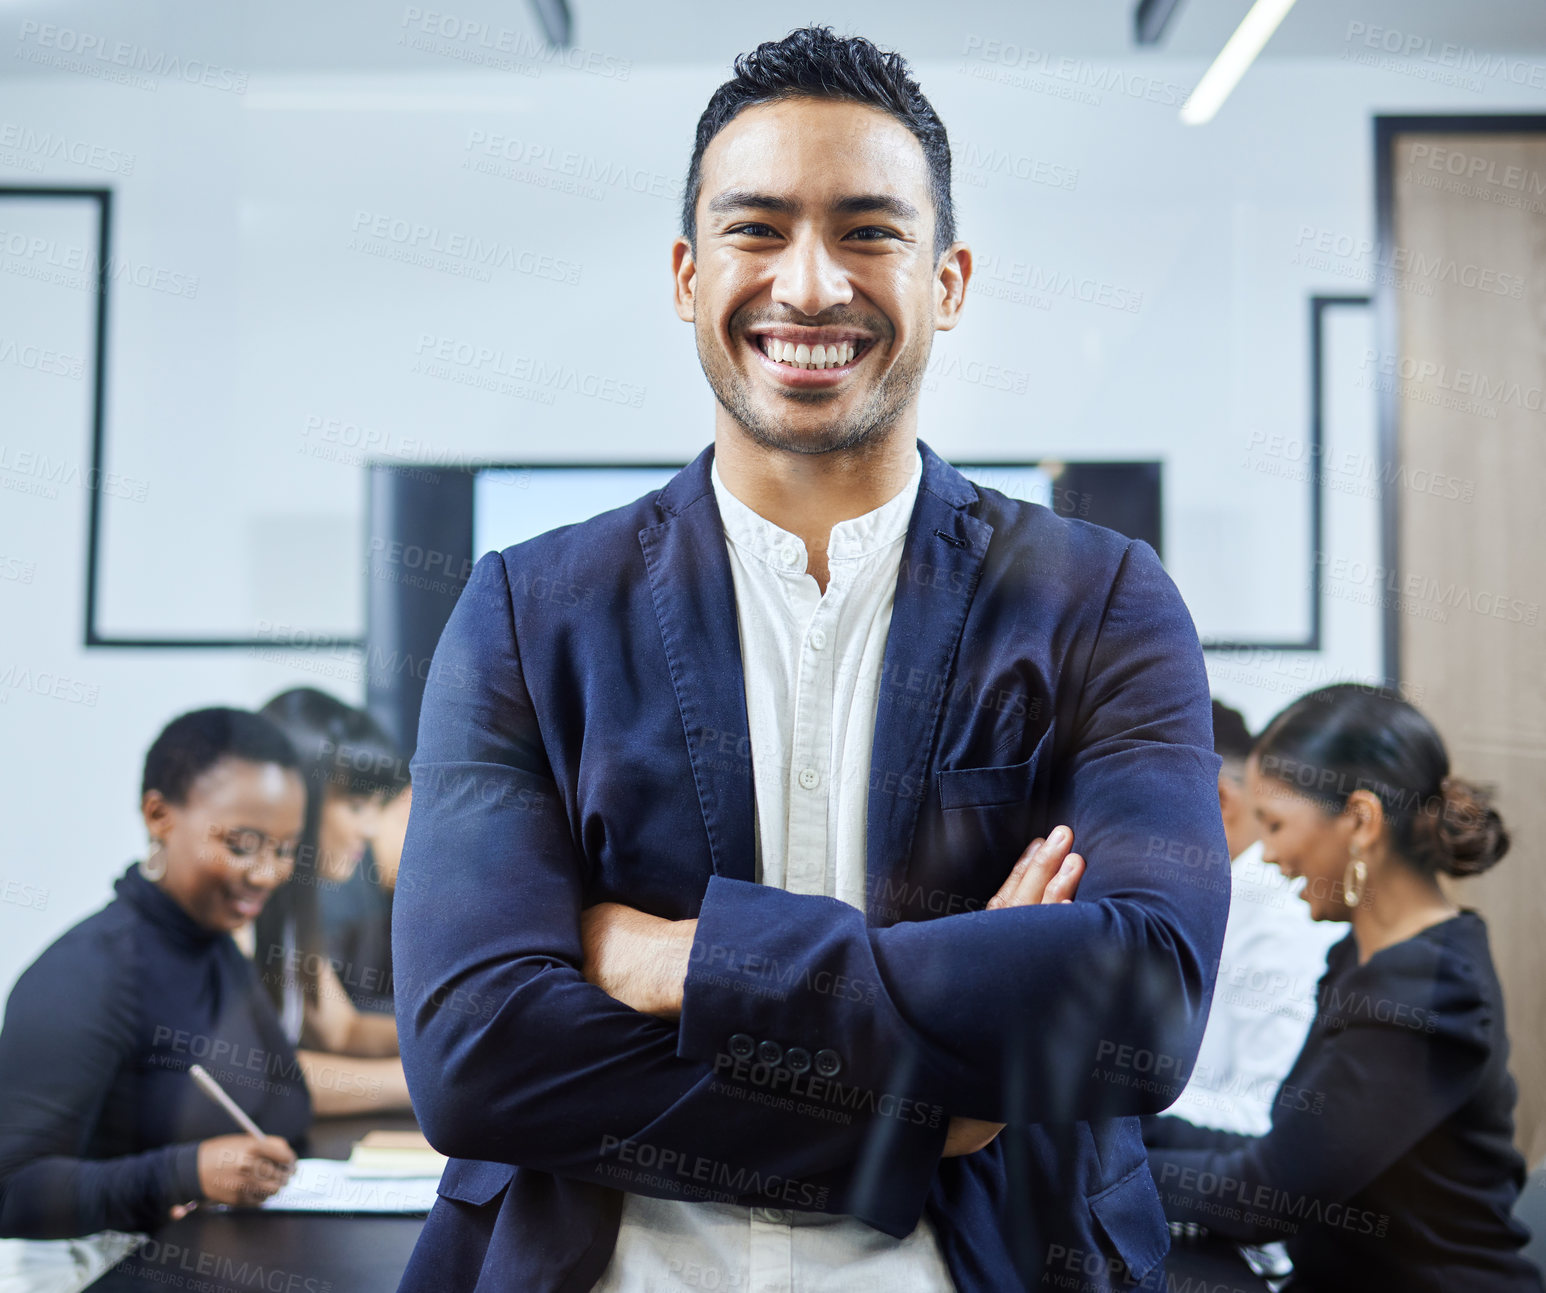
x=1354, y=879
x=154, y=865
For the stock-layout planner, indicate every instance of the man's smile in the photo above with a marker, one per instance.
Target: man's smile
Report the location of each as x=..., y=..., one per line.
x=809, y=357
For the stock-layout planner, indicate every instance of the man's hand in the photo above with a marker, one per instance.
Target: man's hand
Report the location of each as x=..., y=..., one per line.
x=1045, y=873
x=641, y=960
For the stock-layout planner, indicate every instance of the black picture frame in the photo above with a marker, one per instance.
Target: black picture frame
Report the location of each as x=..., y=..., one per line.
x=1320, y=304
x=102, y=198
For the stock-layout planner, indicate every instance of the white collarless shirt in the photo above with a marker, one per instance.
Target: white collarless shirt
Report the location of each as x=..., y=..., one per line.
x=1269, y=968
x=812, y=664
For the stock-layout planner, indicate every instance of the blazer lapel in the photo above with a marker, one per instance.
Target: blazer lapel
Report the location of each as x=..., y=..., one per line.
x=942, y=559
x=694, y=599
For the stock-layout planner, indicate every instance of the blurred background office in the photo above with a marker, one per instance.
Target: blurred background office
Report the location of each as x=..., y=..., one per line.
x=277, y=282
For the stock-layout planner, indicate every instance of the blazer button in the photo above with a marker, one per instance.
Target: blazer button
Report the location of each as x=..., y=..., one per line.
x=797, y=1059
x=770, y=1053
x=742, y=1047
x=828, y=1064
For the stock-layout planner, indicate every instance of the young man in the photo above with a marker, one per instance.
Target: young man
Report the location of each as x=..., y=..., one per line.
x=717, y=977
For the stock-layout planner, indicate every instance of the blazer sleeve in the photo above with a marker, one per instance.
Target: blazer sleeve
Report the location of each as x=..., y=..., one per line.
x=1092, y=1009
x=68, y=1030
x=510, y=1055
x=1412, y=1053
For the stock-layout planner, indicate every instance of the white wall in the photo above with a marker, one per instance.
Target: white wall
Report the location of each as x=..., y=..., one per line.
x=228, y=402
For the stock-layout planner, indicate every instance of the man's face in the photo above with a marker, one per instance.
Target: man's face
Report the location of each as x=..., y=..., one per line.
x=815, y=228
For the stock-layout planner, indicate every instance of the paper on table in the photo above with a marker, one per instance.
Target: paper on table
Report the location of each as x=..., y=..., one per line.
x=325, y=1185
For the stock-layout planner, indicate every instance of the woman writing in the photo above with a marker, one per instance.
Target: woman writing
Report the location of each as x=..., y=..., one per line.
x=101, y=1126
x=1390, y=1160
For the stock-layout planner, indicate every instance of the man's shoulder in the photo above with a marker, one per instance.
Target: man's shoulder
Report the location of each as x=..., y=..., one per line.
x=595, y=536
x=587, y=553
x=1033, y=544
x=1018, y=521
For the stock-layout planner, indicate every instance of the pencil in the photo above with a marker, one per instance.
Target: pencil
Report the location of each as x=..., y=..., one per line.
x=213, y=1090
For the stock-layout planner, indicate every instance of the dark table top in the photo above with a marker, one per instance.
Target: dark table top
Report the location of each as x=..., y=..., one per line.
x=1211, y=1264
x=299, y=1252
x=278, y=1252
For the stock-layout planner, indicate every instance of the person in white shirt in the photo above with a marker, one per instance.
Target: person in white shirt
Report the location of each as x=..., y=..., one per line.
x=1274, y=955
x=709, y=975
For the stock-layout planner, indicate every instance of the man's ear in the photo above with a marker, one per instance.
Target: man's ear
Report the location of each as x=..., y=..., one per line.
x=684, y=279
x=950, y=280
x=1232, y=795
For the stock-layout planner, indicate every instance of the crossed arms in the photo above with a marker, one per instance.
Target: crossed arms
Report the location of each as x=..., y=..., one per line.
x=513, y=1055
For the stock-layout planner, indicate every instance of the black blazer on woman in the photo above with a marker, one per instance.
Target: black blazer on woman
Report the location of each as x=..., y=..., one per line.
x=1390, y=1163
x=99, y=1120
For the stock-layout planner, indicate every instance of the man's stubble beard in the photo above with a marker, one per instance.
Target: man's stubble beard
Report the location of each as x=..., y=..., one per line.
x=896, y=391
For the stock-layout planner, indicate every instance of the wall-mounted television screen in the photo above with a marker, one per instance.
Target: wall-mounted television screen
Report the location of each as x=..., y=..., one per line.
x=427, y=528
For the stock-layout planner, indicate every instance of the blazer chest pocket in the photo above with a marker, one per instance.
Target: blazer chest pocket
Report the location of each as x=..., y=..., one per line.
x=1012, y=783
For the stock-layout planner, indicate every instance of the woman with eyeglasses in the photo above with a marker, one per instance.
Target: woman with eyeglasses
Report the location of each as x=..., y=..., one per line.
x=101, y=1125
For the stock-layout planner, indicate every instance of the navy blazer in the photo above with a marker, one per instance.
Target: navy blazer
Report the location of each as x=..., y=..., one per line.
x=584, y=739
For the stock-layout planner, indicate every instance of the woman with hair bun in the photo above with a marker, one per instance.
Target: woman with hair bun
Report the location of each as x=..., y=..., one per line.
x=1390, y=1162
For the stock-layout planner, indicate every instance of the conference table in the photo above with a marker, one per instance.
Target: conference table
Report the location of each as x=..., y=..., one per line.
x=252, y=1251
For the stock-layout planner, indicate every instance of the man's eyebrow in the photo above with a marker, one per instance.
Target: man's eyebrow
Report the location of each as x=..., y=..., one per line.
x=862, y=203
x=741, y=199
x=856, y=204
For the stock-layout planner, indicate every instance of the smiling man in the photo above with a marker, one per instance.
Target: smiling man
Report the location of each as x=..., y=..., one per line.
x=734, y=953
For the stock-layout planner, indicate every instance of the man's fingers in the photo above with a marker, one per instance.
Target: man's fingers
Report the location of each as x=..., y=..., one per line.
x=1012, y=881
x=1065, y=884
x=1033, y=882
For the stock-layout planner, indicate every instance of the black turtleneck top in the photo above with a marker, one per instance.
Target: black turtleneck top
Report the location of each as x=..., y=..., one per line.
x=99, y=1119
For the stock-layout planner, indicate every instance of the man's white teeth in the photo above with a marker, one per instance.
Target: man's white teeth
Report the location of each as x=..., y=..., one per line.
x=786, y=352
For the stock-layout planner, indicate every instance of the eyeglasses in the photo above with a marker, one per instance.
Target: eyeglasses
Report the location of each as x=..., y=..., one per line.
x=246, y=846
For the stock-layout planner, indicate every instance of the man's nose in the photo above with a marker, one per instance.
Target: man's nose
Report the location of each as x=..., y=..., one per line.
x=809, y=278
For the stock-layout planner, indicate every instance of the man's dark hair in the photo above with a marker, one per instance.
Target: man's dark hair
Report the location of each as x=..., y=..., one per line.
x=812, y=62
x=1231, y=737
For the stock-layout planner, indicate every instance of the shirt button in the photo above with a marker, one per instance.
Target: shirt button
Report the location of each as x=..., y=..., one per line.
x=818, y=638
x=828, y=1064
x=797, y=1059
x=809, y=778
x=772, y=1216
x=770, y=1053
x=790, y=556
x=742, y=1047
